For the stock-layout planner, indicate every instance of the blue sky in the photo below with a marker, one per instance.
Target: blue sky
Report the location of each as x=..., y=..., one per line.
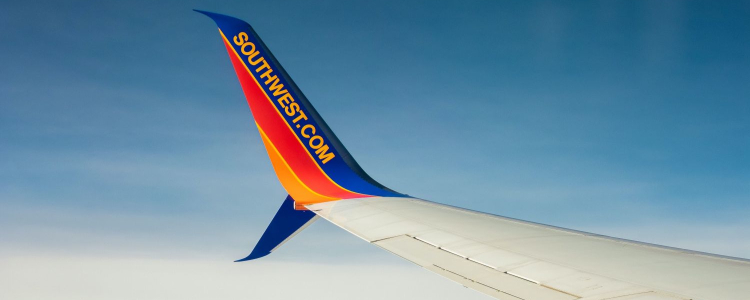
x=128, y=153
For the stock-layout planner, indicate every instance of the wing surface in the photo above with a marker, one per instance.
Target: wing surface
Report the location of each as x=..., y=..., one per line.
x=512, y=259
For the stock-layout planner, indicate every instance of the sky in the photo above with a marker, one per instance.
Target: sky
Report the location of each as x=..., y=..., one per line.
x=130, y=166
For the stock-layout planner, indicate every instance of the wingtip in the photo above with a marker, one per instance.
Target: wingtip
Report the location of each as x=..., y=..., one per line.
x=253, y=256
x=222, y=20
x=209, y=14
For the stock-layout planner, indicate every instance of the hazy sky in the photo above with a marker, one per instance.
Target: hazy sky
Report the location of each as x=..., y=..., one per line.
x=130, y=167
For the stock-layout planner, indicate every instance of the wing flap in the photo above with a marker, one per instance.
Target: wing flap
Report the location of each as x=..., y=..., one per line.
x=468, y=273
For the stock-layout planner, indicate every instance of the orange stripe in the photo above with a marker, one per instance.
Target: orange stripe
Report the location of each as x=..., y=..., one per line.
x=298, y=190
x=284, y=141
x=346, y=193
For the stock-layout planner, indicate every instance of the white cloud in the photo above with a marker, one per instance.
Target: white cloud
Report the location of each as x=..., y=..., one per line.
x=85, y=277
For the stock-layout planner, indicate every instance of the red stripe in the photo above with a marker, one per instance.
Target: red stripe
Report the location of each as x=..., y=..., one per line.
x=285, y=141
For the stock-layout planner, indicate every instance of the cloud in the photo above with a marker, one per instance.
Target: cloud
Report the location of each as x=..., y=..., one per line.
x=87, y=277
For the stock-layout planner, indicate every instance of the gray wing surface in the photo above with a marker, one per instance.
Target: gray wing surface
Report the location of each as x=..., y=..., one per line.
x=512, y=259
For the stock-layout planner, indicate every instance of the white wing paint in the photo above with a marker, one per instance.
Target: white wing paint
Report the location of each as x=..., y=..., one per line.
x=512, y=259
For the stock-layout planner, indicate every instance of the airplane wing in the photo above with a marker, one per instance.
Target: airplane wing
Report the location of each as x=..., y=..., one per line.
x=502, y=257
x=513, y=259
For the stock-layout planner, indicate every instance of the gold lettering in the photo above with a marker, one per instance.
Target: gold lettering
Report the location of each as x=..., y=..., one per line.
x=245, y=45
x=301, y=116
x=250, y=58
x=286, y=97
x=316, y=138
x=242, y=38
x=277, y=88
x=284, y=100
x=312, y=128
x=323, y=153
x=291, y=109
x=268, y=76
x=263, y=66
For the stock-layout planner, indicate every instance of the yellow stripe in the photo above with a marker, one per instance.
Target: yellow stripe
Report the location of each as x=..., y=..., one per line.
x=272, y=147
x=282, y=117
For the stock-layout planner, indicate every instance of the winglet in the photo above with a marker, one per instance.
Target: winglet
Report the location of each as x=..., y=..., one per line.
x=285, y=225
x=310, y=161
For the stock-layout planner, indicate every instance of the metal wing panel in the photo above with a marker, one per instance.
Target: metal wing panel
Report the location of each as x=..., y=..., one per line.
x=524, y=258
x=470, y=274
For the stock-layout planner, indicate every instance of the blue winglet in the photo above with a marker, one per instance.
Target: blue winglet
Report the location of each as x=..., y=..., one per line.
x=287, y=222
